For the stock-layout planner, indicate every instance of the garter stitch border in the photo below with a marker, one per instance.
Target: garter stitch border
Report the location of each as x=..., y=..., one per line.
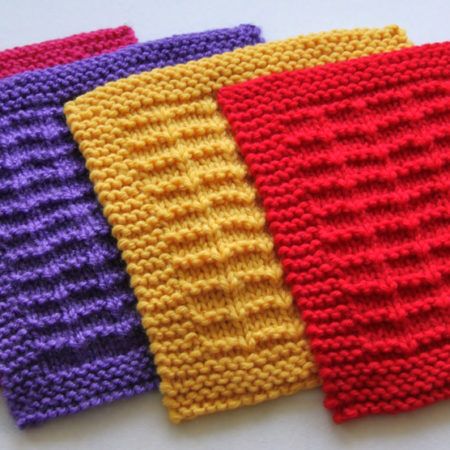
x=210, y=290
x=352, y=161
x=70, y=335
x=62, y=51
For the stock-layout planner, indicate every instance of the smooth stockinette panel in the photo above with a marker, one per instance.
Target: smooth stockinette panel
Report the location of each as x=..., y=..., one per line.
x=70, y=335
x=352, y=163
x=63, y=51
x=222, y=324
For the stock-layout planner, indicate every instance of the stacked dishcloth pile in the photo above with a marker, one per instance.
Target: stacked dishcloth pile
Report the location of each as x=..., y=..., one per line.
x=220, y=320
x=250, y=221
x=70, y=335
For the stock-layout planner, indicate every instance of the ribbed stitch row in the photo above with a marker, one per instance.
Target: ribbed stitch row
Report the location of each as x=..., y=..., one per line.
x=70, y=335
x=352, y=162
x=222, y=324
x=63, y=51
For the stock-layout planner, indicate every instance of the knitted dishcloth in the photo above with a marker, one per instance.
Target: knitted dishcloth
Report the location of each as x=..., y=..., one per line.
x=222, y=324
x=63, y=51
x=51, y=53
x=70, y=335
x=352, y=162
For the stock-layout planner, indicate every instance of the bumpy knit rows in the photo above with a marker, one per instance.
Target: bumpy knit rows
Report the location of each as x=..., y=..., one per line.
x=352, y=162
x=63, y=51
x=59, y=51
x=222, y=324
x=70, y=335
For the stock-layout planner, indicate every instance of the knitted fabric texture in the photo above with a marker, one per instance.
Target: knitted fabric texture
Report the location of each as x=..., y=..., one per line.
x=352, y=163
x=51, y=53
x=63, y=51
x=70, y=335
x=222, y=324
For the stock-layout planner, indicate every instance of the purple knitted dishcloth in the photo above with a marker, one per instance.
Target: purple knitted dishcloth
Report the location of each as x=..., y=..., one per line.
x=70, y=336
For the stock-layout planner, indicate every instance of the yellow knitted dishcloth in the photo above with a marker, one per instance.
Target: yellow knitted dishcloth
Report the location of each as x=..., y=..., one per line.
x=166, y=169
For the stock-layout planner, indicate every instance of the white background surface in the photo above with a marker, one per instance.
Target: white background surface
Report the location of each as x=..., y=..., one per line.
x=297, y=422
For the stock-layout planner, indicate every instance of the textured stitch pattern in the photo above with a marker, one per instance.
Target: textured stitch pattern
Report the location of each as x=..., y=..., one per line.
x=352, y=162
x=70, y=335
x=63, y=51
x=59, y=51
x=221, y=322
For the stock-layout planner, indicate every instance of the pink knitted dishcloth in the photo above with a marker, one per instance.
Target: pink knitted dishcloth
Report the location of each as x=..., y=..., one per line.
x=66, y=50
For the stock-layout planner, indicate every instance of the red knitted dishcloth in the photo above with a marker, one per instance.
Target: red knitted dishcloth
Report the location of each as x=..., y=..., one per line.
x=352, y=162
x=66, y=50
